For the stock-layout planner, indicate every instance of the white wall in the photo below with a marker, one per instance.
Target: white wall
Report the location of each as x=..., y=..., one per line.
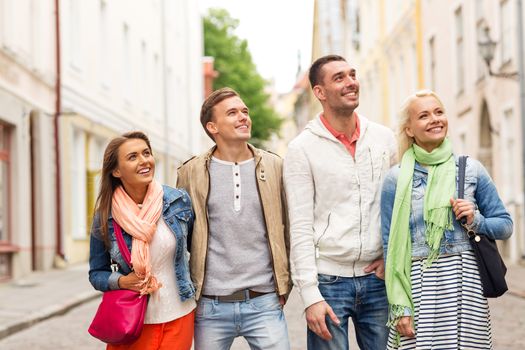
x=127, y=65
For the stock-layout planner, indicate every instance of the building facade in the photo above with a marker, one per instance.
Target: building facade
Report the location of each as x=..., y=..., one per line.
x=125, y=66
x=387, y=54
x=74, y=74
x=401, y=46
x=484, y=110
x=381, y=39
x=27, y=109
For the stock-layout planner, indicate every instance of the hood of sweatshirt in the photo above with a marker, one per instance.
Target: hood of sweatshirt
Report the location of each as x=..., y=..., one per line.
x=316, y=127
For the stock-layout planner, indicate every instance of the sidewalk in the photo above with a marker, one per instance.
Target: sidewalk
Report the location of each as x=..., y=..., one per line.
x=42, y=295
x=46, y=294
x=516, y=280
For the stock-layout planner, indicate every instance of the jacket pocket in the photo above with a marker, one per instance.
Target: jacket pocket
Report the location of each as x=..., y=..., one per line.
x=327, y=279
x=471, y=183
x=321, y=234
x=418, y=188
x=379, y=162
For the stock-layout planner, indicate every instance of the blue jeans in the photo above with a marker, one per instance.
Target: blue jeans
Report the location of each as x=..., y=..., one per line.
x=361, y=298
x=260, y=321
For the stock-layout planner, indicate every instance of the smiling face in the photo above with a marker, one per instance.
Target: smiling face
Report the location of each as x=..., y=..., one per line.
x=339, y=87
x=427, y=122
x=231, y=121
x=136, y=165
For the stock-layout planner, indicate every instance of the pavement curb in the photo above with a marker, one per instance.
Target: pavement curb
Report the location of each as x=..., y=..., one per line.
x=47, y=312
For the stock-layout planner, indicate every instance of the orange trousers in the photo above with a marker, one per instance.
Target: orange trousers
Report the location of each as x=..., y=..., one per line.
x=176, y=334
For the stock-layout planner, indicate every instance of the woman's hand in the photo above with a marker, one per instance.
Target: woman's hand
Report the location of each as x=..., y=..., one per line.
x=405, y=327
x=131, y=281
x=463, y=208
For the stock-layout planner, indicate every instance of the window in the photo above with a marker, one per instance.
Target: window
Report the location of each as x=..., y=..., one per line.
x=93, y=174
x=393, y=95
x=4, y=185
x=460, y=55
x=507, y=37
x=480, y=63
x=6, y=259
x=355, y=24
x=479, y=10
x=403, y=74
x=156, y=90
x=104, y=68
x=126, y=64
x=507, y=154
x=4, y=22
x=79, y=185
x=144, y=79
x=480, y=23
x=432, y=55
x=75, y=33
x=413, y=70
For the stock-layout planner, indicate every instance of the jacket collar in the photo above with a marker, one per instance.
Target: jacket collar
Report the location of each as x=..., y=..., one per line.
x=257, y=154
x=170, y=195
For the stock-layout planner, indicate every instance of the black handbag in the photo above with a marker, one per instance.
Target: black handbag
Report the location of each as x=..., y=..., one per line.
x=491, y=267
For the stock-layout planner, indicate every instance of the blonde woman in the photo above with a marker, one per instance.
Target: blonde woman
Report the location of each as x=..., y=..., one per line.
x=433, y=285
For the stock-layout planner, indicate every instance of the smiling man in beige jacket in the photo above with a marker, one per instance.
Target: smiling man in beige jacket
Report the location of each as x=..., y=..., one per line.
x=239, y=249
x=333, y=173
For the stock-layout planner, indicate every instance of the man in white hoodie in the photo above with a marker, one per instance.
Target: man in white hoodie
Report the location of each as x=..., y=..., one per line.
x=333, y=174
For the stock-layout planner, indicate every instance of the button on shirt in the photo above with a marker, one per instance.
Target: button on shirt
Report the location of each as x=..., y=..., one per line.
x=350, y=144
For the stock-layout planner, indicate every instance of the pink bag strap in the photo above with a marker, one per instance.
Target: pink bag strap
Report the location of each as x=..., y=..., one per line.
x=122, y=244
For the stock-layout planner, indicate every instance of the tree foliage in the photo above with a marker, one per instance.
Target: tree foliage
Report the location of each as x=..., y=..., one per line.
x=236, y=70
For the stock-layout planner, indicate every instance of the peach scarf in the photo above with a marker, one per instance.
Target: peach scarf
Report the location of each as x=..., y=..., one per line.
x=141, y=224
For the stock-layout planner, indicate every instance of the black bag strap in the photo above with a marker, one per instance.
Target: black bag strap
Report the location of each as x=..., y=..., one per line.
x=461, y=176
x=461, y=182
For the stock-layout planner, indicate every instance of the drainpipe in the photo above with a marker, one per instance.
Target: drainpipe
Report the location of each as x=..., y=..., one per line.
x=33, y=191
x=419, y=46
x=58, y=103
x=165, y=91
x=521, y=76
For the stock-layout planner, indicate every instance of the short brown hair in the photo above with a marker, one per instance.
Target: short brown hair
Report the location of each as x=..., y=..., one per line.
x=211, y=101
x=314, y=74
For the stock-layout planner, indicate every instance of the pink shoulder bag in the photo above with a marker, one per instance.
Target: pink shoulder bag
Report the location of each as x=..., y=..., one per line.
x=120, y=315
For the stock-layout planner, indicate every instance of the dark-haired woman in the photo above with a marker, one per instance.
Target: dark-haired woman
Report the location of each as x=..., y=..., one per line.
x=155, y=221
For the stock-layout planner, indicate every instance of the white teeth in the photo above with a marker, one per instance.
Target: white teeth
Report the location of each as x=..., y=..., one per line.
x=144, y=171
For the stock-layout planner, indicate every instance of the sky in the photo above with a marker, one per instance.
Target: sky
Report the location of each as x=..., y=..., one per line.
x=276, y=30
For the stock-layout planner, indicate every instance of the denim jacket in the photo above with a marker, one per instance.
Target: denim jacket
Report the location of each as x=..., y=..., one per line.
x=178, y=215
x=490, y=218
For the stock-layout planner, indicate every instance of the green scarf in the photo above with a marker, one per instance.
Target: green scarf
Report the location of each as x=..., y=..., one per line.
x=441, y=186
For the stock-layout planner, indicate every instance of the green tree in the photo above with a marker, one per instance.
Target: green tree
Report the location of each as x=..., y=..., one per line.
x=236, y=69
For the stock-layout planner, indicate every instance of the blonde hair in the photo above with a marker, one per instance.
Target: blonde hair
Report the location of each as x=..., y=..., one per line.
x=404, y=141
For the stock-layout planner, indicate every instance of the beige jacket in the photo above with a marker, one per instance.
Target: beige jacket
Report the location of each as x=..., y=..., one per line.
x=194, y=177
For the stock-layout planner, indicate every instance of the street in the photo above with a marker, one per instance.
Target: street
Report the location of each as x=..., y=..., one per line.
x=69, y=331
